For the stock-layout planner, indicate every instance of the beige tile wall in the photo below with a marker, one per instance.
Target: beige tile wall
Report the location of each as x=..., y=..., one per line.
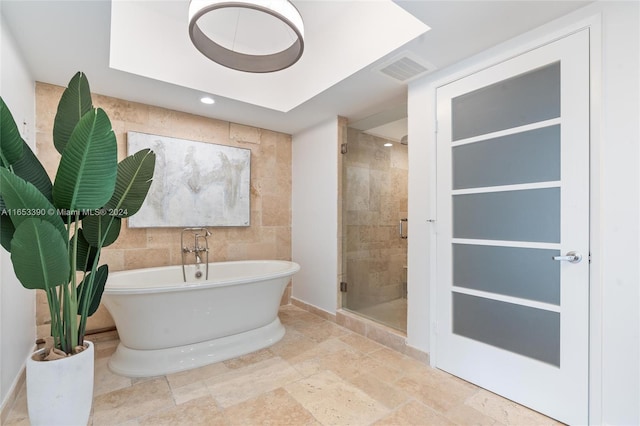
x=375, y=184
x=268, y=237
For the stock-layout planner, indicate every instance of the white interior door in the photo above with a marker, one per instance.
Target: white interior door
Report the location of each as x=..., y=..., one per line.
x=513, y=208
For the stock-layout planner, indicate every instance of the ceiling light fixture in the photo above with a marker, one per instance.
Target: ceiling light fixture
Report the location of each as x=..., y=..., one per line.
x=207, y=100
x=388, y=144
x=257, y=36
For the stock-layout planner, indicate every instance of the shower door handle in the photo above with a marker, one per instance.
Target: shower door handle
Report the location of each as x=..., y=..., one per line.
x=402, y=234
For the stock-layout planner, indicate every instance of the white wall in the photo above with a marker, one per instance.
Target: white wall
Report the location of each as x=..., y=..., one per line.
x=615, y=296
x=422, y=210
x=314, y=214
x=17, y=305
x=619, y=192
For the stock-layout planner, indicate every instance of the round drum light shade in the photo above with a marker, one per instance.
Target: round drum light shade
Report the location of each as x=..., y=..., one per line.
x=257, y=36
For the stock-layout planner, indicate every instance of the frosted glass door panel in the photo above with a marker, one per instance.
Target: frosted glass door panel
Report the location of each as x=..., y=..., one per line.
x=531, y=332
x=524, y=272
x=526, y=215
x=524, y=99
x=532, y=156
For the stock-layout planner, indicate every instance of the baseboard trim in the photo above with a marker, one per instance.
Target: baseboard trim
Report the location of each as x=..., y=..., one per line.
x=313, y=309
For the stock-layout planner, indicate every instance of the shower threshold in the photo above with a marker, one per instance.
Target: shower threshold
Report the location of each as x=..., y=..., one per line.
x=391, y=314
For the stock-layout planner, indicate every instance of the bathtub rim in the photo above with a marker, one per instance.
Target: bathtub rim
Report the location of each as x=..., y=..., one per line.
x=182, y=286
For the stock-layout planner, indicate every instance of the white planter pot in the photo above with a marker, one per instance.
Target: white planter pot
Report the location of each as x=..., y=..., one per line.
x=60, y=392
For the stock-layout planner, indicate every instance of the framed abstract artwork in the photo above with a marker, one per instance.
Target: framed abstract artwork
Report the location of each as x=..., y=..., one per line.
x=194, y=183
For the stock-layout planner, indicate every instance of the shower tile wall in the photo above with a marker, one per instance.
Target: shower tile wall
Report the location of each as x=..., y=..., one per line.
x=376, y=200
x=268, y=237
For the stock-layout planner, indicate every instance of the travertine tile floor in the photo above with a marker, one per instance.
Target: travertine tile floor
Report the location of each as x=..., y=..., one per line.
x=319, y=374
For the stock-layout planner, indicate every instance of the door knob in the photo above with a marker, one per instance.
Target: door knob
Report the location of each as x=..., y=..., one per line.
x=572, y=257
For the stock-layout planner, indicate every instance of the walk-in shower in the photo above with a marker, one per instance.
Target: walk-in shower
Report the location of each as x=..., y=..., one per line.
x=375, y=228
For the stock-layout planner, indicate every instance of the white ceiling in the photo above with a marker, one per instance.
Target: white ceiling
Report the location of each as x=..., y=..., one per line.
x=142, y=53
x=393, y=130
x=145, y=34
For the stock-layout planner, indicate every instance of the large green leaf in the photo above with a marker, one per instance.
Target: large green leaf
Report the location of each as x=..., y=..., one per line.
x=39, y=255
x=132, y=184
x=95, y=226
x=87, y=172
x=30, y=169
x=74, y=104
x=24, y=201
x=96, y=290
x=6, y=231
x=85, y=253
x=10, y=139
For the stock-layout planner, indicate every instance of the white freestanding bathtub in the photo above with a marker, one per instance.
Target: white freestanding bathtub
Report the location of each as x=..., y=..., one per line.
x=167, y=325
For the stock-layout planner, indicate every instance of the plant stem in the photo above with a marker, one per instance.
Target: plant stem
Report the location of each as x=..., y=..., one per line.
x=88, y=287
x=73, y=298
x=54, y=310
x=65, y=343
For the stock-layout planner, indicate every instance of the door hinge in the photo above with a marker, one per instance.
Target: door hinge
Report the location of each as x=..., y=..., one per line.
x=344, y=148
x=343, y=286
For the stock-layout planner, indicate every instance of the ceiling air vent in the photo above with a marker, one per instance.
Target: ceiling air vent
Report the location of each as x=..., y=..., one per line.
x=405, y=67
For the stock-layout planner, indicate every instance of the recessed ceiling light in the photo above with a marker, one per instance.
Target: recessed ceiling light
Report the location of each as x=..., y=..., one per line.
x=207, y=100
x=388, y=144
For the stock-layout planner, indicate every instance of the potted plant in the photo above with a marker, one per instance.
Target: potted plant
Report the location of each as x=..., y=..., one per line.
x=55, y=234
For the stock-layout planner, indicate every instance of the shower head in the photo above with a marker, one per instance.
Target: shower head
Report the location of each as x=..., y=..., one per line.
x=404, y=140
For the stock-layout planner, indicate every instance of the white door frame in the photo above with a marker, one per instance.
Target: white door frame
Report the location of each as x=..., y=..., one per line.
x=508, y=50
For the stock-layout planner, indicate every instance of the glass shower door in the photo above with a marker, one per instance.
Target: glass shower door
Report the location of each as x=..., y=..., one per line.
x=375, y=228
